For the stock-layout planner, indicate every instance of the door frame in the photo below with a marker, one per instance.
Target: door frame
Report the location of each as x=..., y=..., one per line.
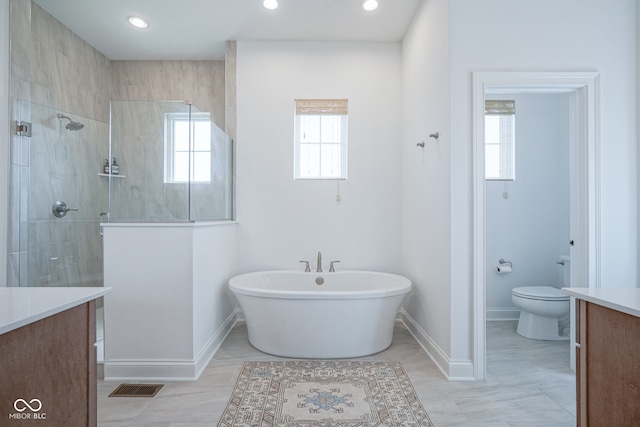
x=585, y=180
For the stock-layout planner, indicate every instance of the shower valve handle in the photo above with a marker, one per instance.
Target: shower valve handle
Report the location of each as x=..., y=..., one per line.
x=60, y=209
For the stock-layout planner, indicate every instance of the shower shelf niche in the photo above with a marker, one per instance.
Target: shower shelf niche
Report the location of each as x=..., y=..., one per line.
x=108, y=175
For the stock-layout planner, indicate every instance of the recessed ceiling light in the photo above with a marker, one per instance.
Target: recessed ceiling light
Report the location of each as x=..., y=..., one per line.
x=138, y=22
x=270, y=4
x=370, y=5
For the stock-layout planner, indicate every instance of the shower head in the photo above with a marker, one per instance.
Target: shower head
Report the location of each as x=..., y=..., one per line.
x=71, y=125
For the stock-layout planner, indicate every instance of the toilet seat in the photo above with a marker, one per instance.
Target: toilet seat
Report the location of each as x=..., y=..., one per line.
x=540, y=293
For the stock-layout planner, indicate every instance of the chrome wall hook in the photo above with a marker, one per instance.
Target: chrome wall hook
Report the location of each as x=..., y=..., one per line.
x=434, y=135
x=420, y=144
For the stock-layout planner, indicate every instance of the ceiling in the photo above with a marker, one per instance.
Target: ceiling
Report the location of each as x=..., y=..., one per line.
x=198, y=29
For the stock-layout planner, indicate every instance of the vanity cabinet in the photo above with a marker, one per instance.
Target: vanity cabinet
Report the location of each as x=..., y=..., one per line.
x=607, y=363
x=47, y=356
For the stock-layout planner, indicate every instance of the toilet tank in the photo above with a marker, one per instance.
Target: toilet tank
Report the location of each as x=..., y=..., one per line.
x=565, y=278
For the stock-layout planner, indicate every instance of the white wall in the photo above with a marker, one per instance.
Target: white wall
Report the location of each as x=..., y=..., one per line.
x=531, y=226
x=170, y=307
x=547, y=35
x=426, y=192
x=4, y=134
x=214, y=263
x=282, y=221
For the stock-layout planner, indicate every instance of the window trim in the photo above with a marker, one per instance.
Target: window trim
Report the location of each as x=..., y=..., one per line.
x=321, y=108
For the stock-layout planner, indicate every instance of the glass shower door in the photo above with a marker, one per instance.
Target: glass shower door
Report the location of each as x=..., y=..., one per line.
x=175, y=164
x=60, y=198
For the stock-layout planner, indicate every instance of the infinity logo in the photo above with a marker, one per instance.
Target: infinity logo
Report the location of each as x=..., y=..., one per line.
x=26, y=405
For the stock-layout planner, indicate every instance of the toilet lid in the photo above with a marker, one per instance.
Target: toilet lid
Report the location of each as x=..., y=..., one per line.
x=548, y=293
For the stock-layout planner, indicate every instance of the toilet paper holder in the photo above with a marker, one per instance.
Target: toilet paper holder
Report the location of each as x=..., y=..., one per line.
x=501, y=261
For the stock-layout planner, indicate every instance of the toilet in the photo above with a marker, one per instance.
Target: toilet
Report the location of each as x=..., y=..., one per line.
x=542, y=307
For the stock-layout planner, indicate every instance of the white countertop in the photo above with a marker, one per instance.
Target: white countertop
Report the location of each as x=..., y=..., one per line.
x=625, y=300
x=22, y=306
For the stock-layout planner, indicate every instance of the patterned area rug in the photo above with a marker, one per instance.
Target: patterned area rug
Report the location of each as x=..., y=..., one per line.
x=323, y=394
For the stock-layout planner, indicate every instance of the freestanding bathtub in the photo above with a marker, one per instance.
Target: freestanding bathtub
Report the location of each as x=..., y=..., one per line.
x=320, y=315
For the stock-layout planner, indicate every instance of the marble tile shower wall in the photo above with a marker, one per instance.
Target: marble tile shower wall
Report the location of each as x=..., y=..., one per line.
x=54, y=71
x=138, y=138
x=201, y=82
x=138, y=144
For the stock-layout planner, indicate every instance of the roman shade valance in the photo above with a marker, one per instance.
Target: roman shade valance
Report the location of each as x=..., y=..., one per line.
x=322, y=106
x=500, y=107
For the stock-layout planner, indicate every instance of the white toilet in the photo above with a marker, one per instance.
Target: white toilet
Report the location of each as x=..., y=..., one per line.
x=541, y=308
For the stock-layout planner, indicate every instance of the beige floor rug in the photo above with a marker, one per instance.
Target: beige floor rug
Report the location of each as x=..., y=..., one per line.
x=323, y=394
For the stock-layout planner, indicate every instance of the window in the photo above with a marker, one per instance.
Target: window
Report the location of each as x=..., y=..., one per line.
x=320, y=139
x=499, y=139
x=183, y=161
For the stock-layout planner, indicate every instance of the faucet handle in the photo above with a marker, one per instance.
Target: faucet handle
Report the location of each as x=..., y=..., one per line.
x=331, y=269
x=307, y=269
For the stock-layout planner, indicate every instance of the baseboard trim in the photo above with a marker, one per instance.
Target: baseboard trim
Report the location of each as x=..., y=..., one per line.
x=149, y=370
x=211, y=348
x=169, y=370
x=502, y=313
x=452, y=369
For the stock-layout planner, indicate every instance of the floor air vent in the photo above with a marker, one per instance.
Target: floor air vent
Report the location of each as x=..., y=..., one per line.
x=136, y=390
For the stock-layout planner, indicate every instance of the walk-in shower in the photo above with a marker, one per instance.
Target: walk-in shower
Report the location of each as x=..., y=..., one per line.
x=174, y=166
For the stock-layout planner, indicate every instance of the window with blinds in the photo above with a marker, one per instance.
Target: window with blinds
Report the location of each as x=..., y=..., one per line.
x=320, y=139
x=499, y=139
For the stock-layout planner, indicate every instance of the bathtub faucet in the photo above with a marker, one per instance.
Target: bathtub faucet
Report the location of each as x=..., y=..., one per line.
x=319, y=265
x=306, y=266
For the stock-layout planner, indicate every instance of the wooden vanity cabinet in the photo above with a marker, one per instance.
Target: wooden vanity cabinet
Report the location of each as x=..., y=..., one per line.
x=53, y=361
x=607, y=366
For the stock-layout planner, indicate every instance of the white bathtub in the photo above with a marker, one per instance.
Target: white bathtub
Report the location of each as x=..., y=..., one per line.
x=320, y=315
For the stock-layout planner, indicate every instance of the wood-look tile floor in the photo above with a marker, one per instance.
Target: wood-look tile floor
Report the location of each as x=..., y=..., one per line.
x=529, y=383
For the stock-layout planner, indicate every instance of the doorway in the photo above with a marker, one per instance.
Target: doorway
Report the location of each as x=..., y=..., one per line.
x=582, y=88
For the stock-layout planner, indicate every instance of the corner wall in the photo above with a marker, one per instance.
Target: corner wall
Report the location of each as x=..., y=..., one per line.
x=426, y=183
